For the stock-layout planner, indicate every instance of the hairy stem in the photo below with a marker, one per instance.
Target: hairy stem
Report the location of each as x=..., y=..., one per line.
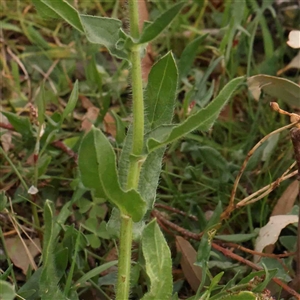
x=136, y=151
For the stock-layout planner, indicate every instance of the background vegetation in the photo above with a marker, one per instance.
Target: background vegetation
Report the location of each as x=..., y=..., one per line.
x=241, y=38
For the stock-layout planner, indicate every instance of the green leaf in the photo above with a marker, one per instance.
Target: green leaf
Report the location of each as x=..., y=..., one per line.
x=269, y=274
x=72, y=101
x=49, y=279
x=44, y=10
x=152, y=30
x=41, y=104
x=280, y=88
x=20, y=124
x=161, y=92
x=63, y=9
x=188, y=55
x=201, y=120
x=120, y=136
x=97, y=166
x=7, y=291
x=104, y=31
x=160, y=100
x=158, y=263
x=3, y=200
x=94, y=272
x=236, y=238
x=203, y=252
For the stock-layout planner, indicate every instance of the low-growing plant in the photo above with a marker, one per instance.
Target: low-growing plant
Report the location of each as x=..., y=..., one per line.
x=130, y=184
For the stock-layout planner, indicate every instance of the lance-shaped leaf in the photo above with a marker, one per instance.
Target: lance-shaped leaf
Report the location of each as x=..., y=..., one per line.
x=152, y=30
x=159, y=100
x=49, y=279
x=104, y=31
x=72, y=101
x=202, y=120
x=280, y=88
x=161, y=91
x=158, y=263
x=97, y=166
x=61, y=8
x=188, y=56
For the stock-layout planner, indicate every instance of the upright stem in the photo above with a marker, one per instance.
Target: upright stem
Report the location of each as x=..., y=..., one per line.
x=124, y=258
x=137, y=148
x=137, y=95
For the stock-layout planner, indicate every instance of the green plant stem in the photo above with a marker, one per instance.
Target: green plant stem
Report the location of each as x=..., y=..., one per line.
x=124, y=263
x=138, y=101
x=124, y=258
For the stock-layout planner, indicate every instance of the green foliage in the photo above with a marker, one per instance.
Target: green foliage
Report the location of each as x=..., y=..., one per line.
x=201, y=120
x=104, y=31
x=158, y=263
x=59, y=8
x=49, y=279
x=185, y=93
x=97, y=165
x=7, y=291
x=152, y=30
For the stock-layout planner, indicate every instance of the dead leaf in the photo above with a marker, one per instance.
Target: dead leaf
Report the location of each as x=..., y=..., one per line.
x=89, y=118
x=287, y=200
x=110, y=125
x=294, y=64
x=85, y=102
x=268, y=235
x=276, y=87
x=5, y=137
x=284, y=205
x=294, y=39
x=17, y=252
x=192, y=273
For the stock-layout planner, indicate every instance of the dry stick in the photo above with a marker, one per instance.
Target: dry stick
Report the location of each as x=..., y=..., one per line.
x=177, y=211
x=295, y=137
x=231, y=206
x=244, y=249
x=268, y=188
x=255, y=267
x=162, y=221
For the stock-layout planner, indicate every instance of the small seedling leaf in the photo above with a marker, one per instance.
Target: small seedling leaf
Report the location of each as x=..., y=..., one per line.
x=104, y=31
x=201, y=120
x=158, y=263
x=63, y=9
x=7, y=291
x=152, y=30
x=20, y=124
x=279, y=88
x=97, y=166
x=72, y=101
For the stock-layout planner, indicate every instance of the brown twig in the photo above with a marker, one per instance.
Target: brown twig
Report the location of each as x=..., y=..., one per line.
x=188, y=234
x=295, y=137
x=244, y=249
x=226, y=214
x=255, y=267
x=177, y=211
